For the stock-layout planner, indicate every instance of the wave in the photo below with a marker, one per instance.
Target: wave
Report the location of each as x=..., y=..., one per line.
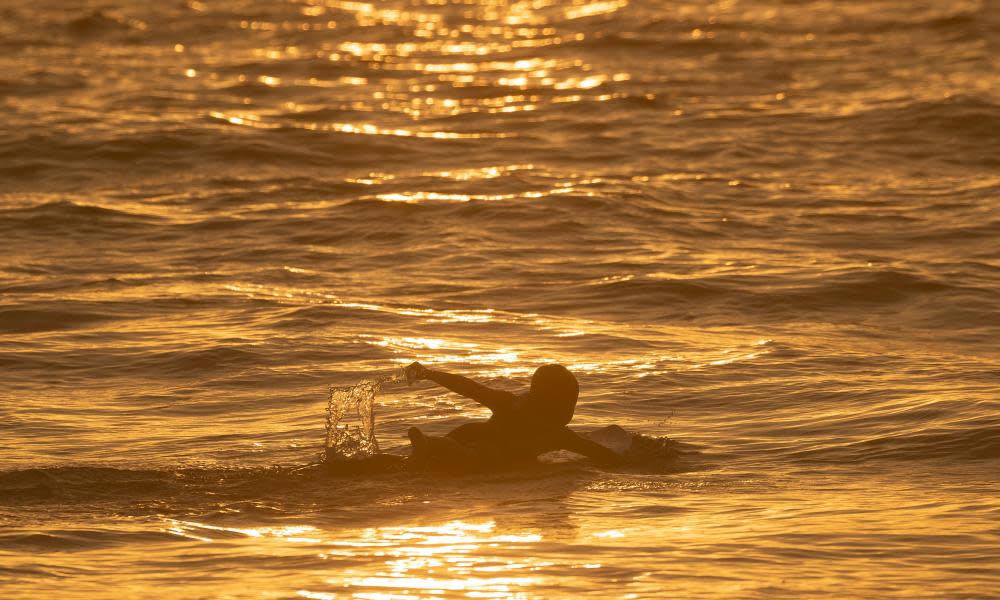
x=65, y=216
x=95, y=483
x=951, y=444
x=102, y=23
x=33, y=320
x=965, y=22
x=960, y=129
x=77, y=539
x=30, y=156
x=53, y=483
x=770, y=295
x=191, y=362
x=40, y=81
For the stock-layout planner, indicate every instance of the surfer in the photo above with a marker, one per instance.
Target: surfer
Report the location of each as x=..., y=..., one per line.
x=521, y=427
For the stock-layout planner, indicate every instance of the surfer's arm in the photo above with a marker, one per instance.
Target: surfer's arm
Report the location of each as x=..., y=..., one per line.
x=490, y=398
x=589, y=448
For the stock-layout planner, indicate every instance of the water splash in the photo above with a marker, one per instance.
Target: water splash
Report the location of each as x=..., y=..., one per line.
x=350, y=417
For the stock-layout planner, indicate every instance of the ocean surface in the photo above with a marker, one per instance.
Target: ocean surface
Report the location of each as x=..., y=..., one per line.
x=765, y=236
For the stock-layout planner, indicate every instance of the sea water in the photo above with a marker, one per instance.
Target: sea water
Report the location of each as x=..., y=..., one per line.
x=762, y=235
x=350, y=419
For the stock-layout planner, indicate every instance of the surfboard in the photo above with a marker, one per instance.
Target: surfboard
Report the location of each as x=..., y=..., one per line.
x=611, y=437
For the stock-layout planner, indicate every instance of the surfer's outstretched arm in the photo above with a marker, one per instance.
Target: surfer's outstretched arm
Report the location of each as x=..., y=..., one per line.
x=490, y=398
x=589, y=448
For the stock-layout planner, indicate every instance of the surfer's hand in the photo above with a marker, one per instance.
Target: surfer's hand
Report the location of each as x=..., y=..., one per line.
x=416, y=372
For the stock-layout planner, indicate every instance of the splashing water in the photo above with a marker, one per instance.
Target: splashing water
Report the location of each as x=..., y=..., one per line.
x=350, y=417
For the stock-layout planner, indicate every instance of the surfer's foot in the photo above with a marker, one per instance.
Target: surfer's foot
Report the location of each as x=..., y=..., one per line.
x=421, y=447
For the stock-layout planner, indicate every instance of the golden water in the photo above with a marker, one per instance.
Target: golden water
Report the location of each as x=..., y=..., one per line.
x=763, y=235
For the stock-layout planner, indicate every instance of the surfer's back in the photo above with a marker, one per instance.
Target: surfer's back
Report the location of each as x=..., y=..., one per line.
x=509, y=438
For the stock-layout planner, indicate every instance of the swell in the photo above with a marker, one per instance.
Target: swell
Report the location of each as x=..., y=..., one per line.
x=96, y=484
x=31, y=320
x=37, y=154
x=64, y=216
x=965, y=19
x=960, y=129
x=954, y=444
x=772, y=296
x=77, y=539
x=101, y=23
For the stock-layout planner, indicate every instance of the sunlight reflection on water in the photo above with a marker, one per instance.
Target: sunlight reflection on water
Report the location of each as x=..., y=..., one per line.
x=450, y=65
x=415, y=561
x=431, y=561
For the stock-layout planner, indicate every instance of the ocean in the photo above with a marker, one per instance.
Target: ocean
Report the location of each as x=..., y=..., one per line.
x=764, y=236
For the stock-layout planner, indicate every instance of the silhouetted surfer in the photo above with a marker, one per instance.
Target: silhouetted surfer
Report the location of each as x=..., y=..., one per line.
x=521, y=427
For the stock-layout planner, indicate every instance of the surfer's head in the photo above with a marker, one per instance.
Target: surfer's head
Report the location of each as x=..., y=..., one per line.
x=554, y=391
